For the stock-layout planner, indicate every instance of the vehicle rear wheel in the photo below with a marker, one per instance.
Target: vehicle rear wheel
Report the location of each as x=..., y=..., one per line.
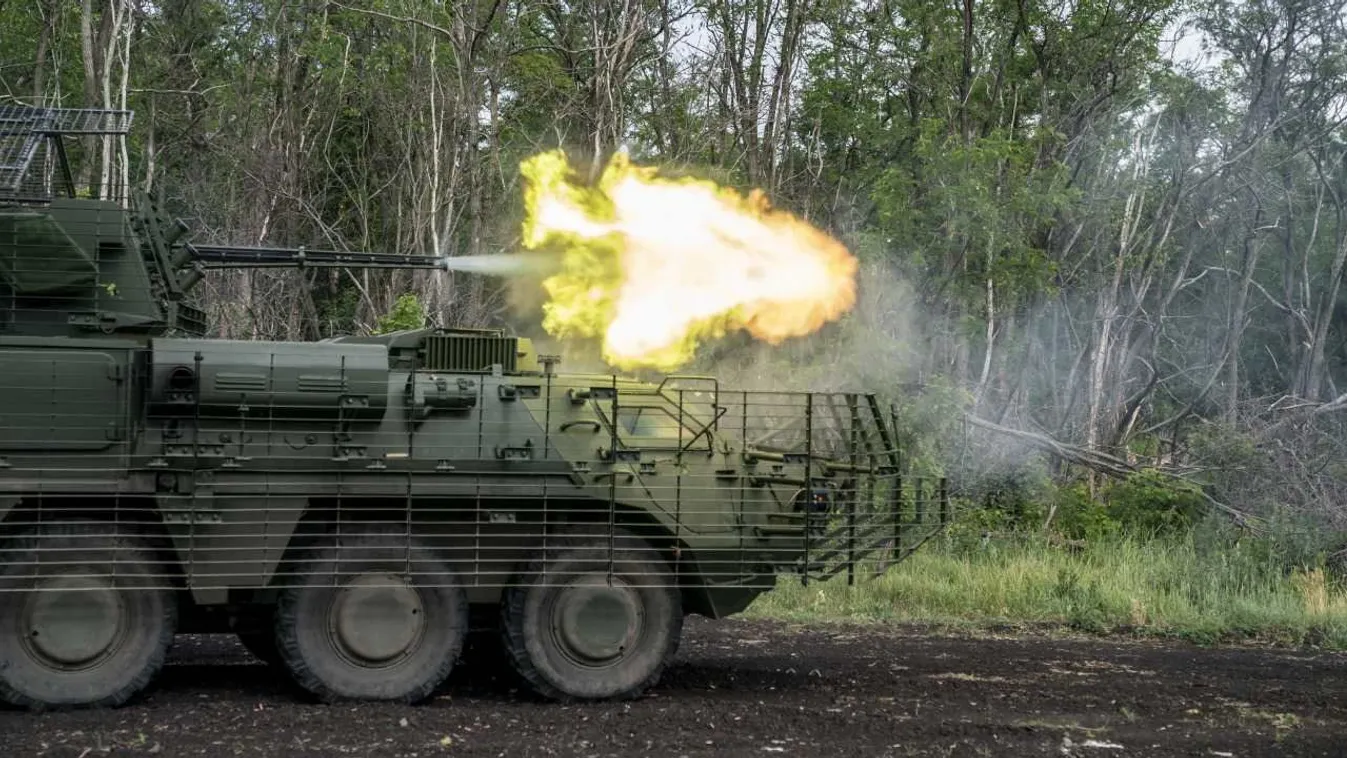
x=86, y=617
x=371, y=618
x=575, y=632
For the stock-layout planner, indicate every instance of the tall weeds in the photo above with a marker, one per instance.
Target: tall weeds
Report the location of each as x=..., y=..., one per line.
x=1177, y=586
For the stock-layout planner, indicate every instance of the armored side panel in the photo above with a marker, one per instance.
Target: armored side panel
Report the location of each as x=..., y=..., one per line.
x=69, y=413
x=39, y=256
x=72, y=266
x=241, y=436
x=212, y=378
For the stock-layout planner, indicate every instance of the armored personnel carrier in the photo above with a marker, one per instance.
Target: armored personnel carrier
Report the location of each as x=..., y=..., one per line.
x=352, y=508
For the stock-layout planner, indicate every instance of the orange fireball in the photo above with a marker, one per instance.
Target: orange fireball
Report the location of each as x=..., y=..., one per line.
x=655, y=266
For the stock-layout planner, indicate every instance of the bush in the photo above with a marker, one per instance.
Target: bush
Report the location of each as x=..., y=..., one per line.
x=1151, y=504
x=1079, y=516
x=407, y=313
x=1146, y=504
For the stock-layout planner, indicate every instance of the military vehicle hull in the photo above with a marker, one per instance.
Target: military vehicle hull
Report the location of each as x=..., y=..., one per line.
x=353, y=508
x=239, y=478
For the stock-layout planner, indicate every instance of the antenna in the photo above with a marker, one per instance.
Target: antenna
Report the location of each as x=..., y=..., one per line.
x=34, y=138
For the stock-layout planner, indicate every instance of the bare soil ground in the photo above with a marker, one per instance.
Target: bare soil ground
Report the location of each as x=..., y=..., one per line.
x=750, y=688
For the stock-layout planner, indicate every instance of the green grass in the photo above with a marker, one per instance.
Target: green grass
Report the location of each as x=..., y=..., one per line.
x=1170, y=588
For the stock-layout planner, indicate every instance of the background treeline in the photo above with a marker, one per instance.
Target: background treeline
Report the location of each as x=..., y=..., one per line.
x=1104, y=260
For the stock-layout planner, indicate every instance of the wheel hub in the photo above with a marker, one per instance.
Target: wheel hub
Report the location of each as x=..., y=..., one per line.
x=596, y=621
x=72, y=621
x=377, y=617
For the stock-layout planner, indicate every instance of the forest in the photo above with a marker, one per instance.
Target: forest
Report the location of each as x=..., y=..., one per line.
x=1102, y=244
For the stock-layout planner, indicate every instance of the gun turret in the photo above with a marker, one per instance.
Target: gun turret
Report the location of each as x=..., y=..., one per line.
x=99, y=260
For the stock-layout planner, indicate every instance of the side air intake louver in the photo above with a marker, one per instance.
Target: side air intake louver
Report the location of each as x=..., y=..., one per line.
x=468, y=352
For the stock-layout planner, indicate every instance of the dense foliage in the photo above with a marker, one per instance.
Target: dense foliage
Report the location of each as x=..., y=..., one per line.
x=1067, y=230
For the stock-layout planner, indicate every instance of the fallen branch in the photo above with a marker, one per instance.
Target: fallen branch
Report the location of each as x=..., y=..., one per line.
x=1302, y=411
x=1092, y=459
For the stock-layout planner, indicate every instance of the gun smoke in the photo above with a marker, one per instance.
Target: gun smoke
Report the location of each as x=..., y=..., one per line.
x=510, y=264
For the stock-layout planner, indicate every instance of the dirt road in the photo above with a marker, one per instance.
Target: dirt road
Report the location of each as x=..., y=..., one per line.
x=756, y=689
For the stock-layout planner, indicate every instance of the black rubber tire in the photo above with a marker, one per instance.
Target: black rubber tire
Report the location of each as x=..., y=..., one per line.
x=305, y=645
x=137, y=646
x=526, y=629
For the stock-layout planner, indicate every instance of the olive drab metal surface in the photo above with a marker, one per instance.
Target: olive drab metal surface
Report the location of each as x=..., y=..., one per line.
x=353, y=508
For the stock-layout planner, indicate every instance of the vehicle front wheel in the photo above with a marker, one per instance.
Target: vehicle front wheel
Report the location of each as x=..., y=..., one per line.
x=86, y=617
x=576, y=632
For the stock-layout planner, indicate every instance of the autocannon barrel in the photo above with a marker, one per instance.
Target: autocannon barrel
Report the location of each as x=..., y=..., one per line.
x=223, y=256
